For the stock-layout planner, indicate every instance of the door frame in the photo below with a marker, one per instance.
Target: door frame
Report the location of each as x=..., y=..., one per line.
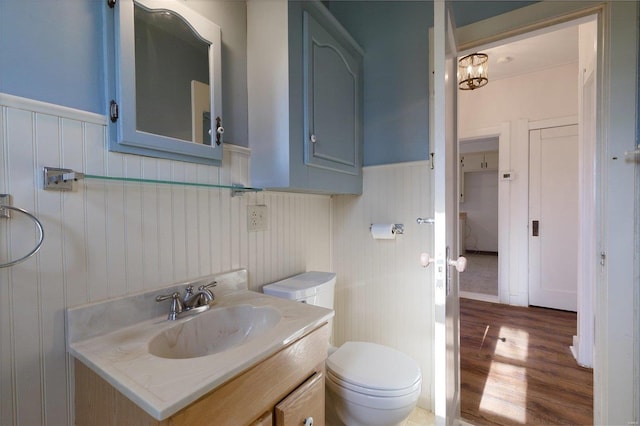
x=617, y=366
x=501, y=132
x=512, y=246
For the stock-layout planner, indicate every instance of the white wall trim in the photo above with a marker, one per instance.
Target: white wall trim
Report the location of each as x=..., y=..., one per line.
x=504, y=212
x=553, y=122
x=236, y=148
x=616, y=372
x=617, y=362
x=526, y=20
x=482, y=133
x=502, y=132
x=479, y=296
x=584, y=340
x=33, y=105
x=519, y=213
x=425, y=163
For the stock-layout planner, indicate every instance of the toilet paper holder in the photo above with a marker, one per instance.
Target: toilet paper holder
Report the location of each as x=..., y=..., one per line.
x=397, y=228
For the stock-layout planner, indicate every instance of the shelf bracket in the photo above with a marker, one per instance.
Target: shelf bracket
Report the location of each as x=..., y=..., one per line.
x=56, y=179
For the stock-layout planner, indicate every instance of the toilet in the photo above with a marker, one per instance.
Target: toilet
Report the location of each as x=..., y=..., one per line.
x=366, y=383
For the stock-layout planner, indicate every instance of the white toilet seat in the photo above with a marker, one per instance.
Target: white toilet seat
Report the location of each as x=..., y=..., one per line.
x=379, y=403
x=381, y=393
x=373, y=370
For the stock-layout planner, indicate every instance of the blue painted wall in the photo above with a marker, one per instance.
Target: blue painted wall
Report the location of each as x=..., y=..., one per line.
x=470, y=11
x=52, y=51
x=394, y=35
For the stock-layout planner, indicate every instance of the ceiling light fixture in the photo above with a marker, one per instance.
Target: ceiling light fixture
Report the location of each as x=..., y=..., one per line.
x=473, y=71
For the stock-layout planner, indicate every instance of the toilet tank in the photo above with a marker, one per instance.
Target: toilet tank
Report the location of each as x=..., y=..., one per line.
x=315, y=288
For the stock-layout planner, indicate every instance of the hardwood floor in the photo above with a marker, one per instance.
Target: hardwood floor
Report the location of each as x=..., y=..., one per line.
x=517, y=368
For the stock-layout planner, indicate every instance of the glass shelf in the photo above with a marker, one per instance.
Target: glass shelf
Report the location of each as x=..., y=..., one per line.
x=235, y=189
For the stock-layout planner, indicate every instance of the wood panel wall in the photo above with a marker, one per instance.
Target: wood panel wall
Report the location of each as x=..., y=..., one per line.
x=383, y=295
x=108, y=239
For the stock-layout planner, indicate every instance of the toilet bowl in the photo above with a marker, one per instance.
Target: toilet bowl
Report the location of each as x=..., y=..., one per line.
x=366, y=383
x=371, y=384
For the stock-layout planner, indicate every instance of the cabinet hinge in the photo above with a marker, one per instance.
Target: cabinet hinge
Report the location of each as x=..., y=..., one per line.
x=111, y=3
x=432, y=159
x=603, y=257
x=113, y=111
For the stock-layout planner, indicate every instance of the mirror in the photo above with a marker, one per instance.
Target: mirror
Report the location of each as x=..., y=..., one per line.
x=168, y=82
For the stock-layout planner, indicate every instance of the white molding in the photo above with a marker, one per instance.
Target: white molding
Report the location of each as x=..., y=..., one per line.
x=617, y=369
x=236, y=148
x=504, y=212
x=525, y=20
x=502, y=132
x=553, y=122
x=519, y=213
x=485, y=132
x=418, y=163
x=616, y=358
x=41, y=107
x=584, y=340
x=479, y=296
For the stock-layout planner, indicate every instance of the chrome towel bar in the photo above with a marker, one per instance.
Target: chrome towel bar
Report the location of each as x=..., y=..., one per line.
x=4, y=214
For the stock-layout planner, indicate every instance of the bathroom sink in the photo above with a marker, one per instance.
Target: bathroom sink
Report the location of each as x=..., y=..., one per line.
x=216, y=330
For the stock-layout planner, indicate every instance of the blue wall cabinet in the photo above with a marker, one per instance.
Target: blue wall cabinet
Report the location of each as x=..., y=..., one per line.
x=305, y=99
x=167, y=82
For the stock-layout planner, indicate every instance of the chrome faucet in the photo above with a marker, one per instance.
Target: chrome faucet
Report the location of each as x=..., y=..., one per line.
x=202, y=297
x=191, y=303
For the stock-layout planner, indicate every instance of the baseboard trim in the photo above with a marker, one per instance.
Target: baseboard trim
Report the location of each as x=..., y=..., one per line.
x=487, y=253
x=479, y=296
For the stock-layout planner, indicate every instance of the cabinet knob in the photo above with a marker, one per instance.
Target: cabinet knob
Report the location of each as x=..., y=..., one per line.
x=313, y=138
x=308, y=421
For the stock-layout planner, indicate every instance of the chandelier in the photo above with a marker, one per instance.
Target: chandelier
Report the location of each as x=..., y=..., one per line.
x=472, y=71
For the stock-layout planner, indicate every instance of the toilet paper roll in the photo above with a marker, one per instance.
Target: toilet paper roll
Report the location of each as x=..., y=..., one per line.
x=382, y=231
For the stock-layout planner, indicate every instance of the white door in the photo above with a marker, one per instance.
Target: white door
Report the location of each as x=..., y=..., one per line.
x=553, y=217
x=446, y=353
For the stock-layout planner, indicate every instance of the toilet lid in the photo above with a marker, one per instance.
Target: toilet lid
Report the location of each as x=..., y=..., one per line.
x=372, y=366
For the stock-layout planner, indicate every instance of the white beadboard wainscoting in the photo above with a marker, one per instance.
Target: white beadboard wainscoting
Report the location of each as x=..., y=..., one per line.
x=383, y=295
x=108, y=239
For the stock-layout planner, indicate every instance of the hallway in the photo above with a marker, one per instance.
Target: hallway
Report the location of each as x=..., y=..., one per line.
x=517, y=368
x=481, y=275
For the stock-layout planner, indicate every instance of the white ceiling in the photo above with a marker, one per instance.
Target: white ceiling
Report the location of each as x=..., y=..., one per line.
x=532, y=54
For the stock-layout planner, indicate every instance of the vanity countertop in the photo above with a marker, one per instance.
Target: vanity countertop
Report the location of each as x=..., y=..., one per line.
x=164, y=386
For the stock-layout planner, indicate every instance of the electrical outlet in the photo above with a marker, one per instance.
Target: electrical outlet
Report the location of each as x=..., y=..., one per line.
x=257, y=218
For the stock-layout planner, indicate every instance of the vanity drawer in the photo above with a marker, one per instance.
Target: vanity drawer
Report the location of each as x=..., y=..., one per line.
x=306, y=402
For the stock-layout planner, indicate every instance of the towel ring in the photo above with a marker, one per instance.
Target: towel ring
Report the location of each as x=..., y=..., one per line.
x=40, y=239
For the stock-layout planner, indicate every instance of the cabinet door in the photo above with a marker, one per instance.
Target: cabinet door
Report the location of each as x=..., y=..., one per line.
x=305, y=405
x=491, y=160
x=472, y=162
x=332, y=91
